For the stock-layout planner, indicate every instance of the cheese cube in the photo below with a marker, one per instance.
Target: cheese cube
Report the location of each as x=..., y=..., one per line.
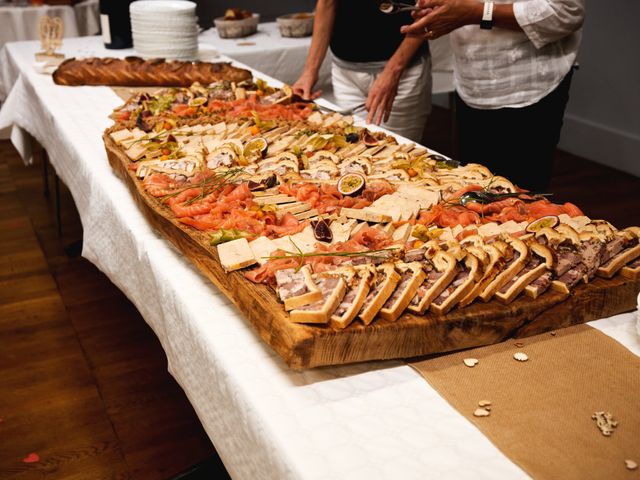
x=235, y=255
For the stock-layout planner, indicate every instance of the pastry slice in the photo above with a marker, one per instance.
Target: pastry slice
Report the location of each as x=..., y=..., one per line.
x=411, y=277
x=359, y=280
x=540, y=261
x=539, y=285
x=469, y=272
x=297, y=288
x=493, y=264
x=332, y=289
x=630, y=251
x=516, y=256
x=385, y=283
x=440, y=270
x=631, y=270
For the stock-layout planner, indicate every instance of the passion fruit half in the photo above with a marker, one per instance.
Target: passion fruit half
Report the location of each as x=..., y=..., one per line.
x=351, y=184
x=548, y=221
x=255, y=149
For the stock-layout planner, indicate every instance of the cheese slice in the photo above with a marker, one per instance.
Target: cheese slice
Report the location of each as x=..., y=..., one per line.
x=121, y=135
x=262, y=247
x=365, y=215
x=342, y=230
x=235, y=255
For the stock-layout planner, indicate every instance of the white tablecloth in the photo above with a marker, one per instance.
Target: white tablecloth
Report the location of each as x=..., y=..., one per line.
x=21, y=23
x=378, y=420
x=267, y=51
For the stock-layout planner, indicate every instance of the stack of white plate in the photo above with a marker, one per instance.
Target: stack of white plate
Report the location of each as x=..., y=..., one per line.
x=165, y=29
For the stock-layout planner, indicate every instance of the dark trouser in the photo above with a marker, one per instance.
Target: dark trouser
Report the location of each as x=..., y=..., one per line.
x=517, y=143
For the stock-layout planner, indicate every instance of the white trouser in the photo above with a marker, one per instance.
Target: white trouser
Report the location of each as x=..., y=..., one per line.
x=412, y=104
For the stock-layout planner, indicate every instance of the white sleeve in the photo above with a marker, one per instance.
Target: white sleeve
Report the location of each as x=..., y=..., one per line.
x=547, y=21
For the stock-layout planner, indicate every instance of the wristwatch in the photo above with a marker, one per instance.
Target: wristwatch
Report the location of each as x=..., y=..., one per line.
x=487, y=16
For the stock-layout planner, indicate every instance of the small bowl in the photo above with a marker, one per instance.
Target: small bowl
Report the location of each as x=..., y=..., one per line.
x=296, y=24
x=237, y=28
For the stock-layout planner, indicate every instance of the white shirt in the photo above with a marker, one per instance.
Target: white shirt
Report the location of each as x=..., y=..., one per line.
x=504, y=68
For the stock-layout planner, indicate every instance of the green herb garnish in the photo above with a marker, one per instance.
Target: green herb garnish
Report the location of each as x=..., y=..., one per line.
x=226, y=235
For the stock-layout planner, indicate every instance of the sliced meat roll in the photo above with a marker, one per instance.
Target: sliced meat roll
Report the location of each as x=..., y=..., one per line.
x=469, y=272
x=386, y=281
x=411, y=277
x=359, y=280
x=297, y=288
x=333, y=290
x=440, y=269
x=541, y=260
x=517, y=256
x=629, y=251
x=493, y=263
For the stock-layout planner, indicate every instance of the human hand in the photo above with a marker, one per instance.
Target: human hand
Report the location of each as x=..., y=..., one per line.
x=381, y=96
x=444, y=16
x=304, y=86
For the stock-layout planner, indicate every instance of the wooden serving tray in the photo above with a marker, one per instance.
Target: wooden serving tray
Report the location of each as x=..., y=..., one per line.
x=303, y=346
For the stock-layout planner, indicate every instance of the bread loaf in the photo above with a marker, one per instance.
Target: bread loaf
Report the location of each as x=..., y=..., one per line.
x=136, y=72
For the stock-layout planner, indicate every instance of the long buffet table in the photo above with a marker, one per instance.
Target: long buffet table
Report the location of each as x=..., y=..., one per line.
x=372, y=421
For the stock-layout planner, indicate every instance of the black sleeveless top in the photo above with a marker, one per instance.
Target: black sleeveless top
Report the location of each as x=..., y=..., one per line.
x=361, y=33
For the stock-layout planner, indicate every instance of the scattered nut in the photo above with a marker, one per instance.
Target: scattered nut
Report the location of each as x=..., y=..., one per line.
x=481, y=412
x=470, y=362
x=521, y=356
x=630, y=464
x=484, y=403
x=605, y=422
x=519, y=344
x=553, y=334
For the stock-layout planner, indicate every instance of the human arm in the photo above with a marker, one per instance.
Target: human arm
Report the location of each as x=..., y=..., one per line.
x=322, y=27
x=439, y=17
x=543, y=21
x=383, y=91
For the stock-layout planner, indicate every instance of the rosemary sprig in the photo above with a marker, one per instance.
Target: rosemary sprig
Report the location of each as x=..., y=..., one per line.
x=208, y=185
x=301, y=256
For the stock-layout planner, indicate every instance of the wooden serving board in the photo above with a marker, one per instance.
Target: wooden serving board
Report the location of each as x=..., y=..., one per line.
x=303, y=346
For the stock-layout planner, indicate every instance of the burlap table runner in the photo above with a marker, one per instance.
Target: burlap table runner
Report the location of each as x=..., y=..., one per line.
x=541, y=409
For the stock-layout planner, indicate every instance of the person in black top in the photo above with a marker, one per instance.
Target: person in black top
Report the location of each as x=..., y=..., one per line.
x=375, y=68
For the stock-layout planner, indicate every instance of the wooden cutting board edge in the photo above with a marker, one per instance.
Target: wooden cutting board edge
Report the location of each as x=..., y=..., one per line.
x=302, y=346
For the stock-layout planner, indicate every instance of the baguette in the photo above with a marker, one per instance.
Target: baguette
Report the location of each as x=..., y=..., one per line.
x=386, y=281
x=136, y=72
x=333, y=290
x=411, y=278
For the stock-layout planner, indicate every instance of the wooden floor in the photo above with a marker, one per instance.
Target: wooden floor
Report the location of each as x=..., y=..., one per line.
x=83, y=380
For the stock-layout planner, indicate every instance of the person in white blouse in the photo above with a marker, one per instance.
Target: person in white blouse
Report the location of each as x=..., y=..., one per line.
x=513, y=63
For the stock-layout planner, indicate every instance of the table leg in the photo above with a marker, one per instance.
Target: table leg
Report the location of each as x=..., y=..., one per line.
x=44, y=157
x=56, y=183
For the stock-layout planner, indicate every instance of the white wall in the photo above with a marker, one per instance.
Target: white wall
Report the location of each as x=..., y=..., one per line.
x=602, y=120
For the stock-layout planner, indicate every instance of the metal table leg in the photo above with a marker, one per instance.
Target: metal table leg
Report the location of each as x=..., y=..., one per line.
x=56, y=184
x=45, y=173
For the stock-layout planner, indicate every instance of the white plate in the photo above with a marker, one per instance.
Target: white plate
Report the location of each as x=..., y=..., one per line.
x=151, y=6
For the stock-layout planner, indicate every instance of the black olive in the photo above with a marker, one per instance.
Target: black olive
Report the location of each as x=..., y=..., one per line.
x=352, y=137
